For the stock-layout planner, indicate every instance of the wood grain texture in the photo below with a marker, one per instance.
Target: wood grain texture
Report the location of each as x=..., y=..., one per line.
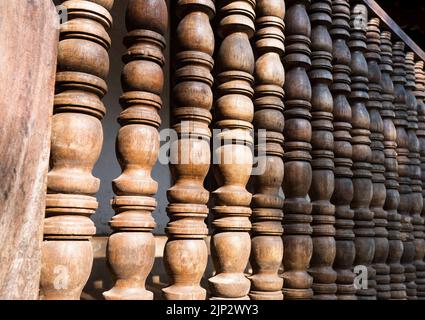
x=28, y=60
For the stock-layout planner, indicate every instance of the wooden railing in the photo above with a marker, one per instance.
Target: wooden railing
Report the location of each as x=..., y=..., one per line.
x=339, y=89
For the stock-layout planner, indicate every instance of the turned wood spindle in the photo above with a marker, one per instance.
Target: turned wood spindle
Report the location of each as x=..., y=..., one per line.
x=323, y=182
x=76, y=143
x=420, y=218
x=234, y=113
x=131, y=247
x=362, y=153
x=343, y=193
x=298, y=245
x=267, y=245
x=374, y=106
x=399, y=80
x=186, y=253
x=392, y=200
x=416, y=200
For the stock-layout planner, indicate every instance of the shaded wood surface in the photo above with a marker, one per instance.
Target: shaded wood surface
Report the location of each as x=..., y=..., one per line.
x=28, y=41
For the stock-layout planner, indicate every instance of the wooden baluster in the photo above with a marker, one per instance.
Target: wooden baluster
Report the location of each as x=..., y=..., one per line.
x=186, y=253
x=416, y=201
x=398, y=289
x=267, y=246
x=374, y=105
x=420, y=227
x=362, y=154
x=399, y=79
x=298, y=245
x=76, y=143
x=234, y=111
x=323, y=182
x=131, y=248
x=343, y=193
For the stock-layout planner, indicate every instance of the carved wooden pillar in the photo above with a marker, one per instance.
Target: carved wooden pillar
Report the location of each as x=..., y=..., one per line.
x=267, y=245
x=323, y=183
x=420, y=227
x=298, y=245
x=416, y=201
x=362, y=154
x=392, y=200
x=77, y=138
x=131, y=248
x=186, y=254
x=234, y=113
x=343, y=193
x=374, y=105
x=399, y=79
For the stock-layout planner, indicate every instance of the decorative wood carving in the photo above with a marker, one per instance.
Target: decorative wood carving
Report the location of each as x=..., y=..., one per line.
x=374, y=106
x=234, y=113
x=416, y=201
x=399, y=80
x=76, y=143
x=267, y=245
x=186, y=253
x=420, y=227
x=298, y=245
x=28, y=58
x=398, y=289
x=343, y=193
x=362, y=154
x=131, y=247
x=323, y=182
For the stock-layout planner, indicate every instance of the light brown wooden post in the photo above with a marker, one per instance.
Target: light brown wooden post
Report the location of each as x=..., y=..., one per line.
x=28, y=42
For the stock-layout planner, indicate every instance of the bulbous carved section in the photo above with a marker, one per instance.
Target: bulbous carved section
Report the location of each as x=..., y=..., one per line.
x=298, y=245
x=419, y=226
x=362, y=153
x=267, y=246
x=399, y=80
x=323, y=182
x=375, y=108
x=342, y=116
x=131, y=247
x=186, y=253
x=234, y=113
x=76, y=142
x=392, y=200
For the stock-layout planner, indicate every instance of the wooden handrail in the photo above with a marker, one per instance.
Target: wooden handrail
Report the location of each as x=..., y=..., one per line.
x=394, y=27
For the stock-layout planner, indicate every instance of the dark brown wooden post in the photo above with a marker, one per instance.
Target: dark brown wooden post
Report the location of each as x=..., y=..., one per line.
x=420, y=231
x=374, y=105
x=77, y=140
x=131, y=247
x=234, y=113
x=398, y=289
x=343, y=194
x=323, y=182
x=416, y=201
x=298, y=245
x=362, y=153
x=186, y=253
x=267, y=246
x=28, y=41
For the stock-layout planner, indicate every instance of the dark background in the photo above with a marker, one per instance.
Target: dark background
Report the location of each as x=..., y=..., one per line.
x=409, y=15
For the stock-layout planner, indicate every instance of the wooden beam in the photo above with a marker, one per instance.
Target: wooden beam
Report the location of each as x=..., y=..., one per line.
x=394, y=27
x=28, y=42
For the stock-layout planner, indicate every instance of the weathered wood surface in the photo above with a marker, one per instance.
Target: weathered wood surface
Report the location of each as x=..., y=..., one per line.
x=28, y=46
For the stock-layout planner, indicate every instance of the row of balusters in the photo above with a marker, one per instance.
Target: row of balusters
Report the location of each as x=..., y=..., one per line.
x=342, y=106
